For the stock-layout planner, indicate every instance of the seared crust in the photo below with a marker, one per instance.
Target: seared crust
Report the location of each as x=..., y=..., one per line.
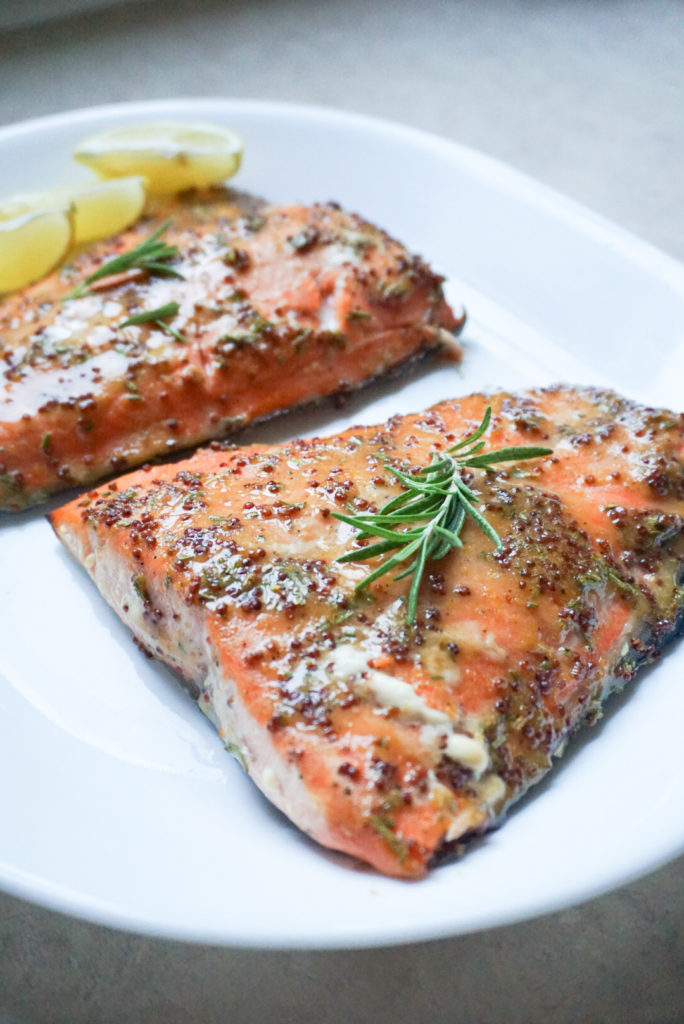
x=652, y=645
x=278, y=307
x=388, y=741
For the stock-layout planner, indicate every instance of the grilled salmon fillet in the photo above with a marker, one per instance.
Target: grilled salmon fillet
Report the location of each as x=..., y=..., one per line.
x=276, y=306
x=389, y=741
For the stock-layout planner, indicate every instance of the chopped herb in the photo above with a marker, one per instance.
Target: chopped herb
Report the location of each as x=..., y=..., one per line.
x=358, y=314
x=132, y=389
x=394, y=288
x=141, y=588
x=385, y=828
x=425, y=521
x=359, y=242
x=237, y=753
x=304, y=239
x=45, y=442
x=150, y=255
x=13, y=481
x=254, y=223
x=621, y=584
x=237, y=258
x=256, y=325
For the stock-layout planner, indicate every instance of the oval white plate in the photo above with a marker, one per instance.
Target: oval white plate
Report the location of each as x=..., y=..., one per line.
x=119, y=803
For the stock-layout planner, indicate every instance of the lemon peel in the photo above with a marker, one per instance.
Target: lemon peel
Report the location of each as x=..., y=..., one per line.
x=32, y=244
x=171, y=155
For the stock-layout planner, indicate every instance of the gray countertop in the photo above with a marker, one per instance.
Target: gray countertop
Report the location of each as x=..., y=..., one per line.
x=586, y=97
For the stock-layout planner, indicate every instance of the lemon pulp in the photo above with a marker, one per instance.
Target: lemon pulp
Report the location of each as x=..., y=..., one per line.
x=32, y=244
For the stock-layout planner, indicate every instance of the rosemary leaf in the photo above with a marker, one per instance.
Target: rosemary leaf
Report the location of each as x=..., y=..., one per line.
x=150, y=255
x=151, y=315
x=156, y=316
x=506, y=455
x=424, y=522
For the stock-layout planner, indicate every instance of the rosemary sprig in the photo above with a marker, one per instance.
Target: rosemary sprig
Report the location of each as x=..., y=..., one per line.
x=156, y=316
x=150, y=255
x=424, y=522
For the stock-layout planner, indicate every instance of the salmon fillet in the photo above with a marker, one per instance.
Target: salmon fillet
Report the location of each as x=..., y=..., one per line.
x=276, y=306
x=389, y=741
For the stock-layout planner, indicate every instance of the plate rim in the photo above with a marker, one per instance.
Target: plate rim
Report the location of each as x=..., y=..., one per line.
x=508, y=179
x=513, y=180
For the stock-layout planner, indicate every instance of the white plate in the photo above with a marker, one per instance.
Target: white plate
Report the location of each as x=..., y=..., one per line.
x=119, y=803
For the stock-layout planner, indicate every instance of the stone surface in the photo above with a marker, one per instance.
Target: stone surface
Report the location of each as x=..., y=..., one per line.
x=585, y=96
x=588, y=98
x=616, y=960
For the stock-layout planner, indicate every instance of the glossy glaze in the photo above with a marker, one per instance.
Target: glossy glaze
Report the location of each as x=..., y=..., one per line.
x=387, y=741
x=277, y=306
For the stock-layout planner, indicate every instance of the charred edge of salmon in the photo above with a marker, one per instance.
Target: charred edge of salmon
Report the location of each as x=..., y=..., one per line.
x=346, y=391
x=13, y=499
x=655, y=641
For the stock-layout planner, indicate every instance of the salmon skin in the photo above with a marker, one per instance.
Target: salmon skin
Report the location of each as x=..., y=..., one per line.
x=395, y=742
x=276, y=307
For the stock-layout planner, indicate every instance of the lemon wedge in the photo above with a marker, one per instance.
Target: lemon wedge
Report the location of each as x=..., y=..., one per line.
x=32, y=244
x=172, y=155
x=100, y=209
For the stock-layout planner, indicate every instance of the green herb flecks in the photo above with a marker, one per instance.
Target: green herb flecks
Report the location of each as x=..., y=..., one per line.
x=151, y=255
x=156, y=316
x=385, y=828
x=425, y=521
x=304, y=239
x=239, y=756
x=141, y=588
